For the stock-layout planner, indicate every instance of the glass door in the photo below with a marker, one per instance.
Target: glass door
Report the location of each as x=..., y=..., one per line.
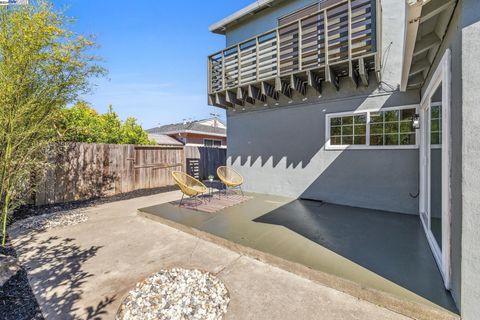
x=431, y=212
x=435, y=169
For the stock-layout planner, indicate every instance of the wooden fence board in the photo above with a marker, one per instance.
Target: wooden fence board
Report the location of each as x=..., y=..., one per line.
x=81, y=171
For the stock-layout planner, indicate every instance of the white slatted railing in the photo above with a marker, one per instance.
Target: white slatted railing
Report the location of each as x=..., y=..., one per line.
x=330, y=36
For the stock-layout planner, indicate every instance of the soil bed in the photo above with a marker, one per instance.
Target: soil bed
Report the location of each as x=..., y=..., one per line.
x=17, y=301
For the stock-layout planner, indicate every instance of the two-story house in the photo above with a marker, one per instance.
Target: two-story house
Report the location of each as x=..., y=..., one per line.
x=364, y=103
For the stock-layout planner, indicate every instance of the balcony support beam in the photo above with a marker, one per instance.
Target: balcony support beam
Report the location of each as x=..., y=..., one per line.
x=255, y=93
x=242, y=95
x=314, y=81
x=362, y=72
x=298, y=85
x=221, y=99
x=268, y=90
x=283, y=87
x=212, y=101
x=378, y=68
x=331, y=78
x=352, y=74
x=232, y=99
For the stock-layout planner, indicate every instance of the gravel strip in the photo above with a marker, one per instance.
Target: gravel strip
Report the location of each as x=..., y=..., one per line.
x=53, y=220
x=27, y=211
x=176, y=294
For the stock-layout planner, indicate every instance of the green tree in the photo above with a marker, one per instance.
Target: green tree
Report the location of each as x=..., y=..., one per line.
x=133, y=133
x=111, y=127
x=84, y=124
x=43, y=68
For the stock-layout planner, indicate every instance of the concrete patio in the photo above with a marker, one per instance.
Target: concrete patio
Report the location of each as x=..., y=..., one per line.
x=359, y=251
x=84, y=271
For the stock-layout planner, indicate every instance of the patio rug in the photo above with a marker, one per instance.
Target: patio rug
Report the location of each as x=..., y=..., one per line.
x=212, y=204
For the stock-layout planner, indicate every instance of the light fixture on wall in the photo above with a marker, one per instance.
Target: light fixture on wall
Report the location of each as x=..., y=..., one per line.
x=416, y=121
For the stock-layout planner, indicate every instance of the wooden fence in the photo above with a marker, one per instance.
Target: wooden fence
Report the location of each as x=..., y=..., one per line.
x=81, y=171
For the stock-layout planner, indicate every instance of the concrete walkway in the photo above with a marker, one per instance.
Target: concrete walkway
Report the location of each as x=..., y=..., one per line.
x=84, y=271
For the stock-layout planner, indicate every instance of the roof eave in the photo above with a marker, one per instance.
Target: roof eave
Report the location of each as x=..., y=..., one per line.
x=412, y=17
x=196, y=132
x=221, y=26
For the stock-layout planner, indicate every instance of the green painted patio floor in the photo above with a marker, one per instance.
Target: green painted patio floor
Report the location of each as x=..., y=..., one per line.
x=377, y=249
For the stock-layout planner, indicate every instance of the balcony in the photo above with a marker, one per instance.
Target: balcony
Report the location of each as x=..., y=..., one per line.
x=341, y=40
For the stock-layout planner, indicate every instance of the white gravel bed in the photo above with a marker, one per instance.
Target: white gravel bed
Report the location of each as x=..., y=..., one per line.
x=53, y=220
x=176, y=294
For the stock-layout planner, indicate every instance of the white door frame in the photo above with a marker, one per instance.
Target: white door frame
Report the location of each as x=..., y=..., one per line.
x=441, y=76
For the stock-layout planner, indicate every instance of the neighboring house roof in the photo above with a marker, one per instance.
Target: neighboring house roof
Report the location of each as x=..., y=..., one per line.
x=164, y=140
x=249, y=10
x=190, y=127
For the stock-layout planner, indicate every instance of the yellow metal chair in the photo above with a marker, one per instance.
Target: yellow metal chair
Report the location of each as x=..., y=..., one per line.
x=230, y=178
x=189, y=185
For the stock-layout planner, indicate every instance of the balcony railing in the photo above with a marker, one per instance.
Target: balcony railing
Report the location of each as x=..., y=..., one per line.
x=340, y=40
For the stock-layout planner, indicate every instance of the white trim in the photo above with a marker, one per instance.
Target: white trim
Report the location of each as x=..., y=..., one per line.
x=442, y=76
x=412, y=22
x=201, y=145
x=367, y=146
x=195, y=132
x=220, y=26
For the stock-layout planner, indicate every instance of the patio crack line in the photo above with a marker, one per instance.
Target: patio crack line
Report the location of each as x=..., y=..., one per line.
x=228, y=265
x=193, y=250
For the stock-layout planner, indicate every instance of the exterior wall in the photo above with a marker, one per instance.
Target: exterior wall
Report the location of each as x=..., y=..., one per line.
x=453, y=41
x=470, y=37
x=281, y=150
x=197, y=139
x=263, y=21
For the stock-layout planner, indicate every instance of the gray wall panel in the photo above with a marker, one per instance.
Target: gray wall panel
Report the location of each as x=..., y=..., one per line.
x=470, y=160
x=453, y=41
x=281, y=151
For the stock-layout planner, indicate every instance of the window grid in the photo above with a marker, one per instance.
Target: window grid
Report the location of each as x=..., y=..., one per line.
x=348, y=130
x=212, y=143
x=387, y=128
x=436, y=124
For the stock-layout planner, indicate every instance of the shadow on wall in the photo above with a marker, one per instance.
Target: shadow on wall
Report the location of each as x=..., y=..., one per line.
x=383, y=180
x=301, y=135
x=282, y=151
x=56, y=276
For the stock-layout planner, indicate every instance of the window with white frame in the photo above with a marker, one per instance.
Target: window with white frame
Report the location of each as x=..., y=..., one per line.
x=436, y=123
x=348, y=129
x=375, y=129
x=212, y=143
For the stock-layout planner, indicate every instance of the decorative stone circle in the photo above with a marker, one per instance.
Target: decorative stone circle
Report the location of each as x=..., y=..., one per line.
x=176, y=294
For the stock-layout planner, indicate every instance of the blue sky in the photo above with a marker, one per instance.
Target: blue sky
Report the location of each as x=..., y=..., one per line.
x=156, y=54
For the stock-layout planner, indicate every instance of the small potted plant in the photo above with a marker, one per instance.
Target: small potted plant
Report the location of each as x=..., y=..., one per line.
x=210, y=178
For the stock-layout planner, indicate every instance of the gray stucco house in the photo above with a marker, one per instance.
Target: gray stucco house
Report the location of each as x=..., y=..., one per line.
x=365, y=103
